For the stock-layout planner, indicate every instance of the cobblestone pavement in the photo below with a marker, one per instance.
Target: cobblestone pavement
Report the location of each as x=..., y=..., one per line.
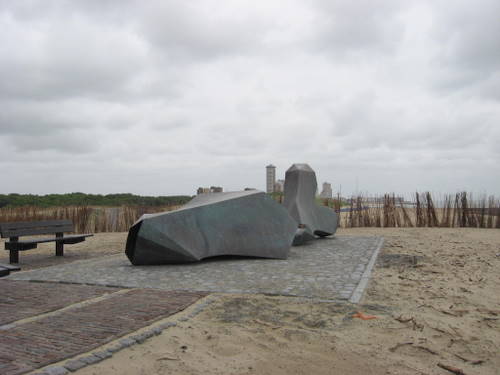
x=328, y=269
x=41, y=340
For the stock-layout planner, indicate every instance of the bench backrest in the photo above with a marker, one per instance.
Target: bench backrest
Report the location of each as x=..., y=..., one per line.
x=31, y=228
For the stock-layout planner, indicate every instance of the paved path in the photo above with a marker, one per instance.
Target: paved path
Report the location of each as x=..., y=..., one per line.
x=328, y=269
x=20, y=300
x=45, y=333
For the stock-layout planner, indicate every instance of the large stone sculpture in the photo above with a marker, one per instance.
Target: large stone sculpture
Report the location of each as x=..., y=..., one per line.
x=300, y=194
x=247, y=223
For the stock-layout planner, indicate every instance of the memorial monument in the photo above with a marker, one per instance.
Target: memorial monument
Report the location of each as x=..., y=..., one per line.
x=246, y=223
x=300, y=201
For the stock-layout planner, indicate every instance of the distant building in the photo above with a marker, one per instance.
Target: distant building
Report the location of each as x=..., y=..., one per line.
x=279, y=186
x=211, y=189
x=202, y=190
x=270, y=178
x=327, y=191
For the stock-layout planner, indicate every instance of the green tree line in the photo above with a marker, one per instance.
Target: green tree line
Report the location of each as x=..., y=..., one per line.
x=82, y=199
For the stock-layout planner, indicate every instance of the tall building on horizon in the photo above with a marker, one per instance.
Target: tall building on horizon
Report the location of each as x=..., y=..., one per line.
x=327, y=190
x=270, y=178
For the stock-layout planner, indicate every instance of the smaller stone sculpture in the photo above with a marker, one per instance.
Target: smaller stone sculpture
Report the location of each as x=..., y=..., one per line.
x=246, y=223
x=302, y=236
x=299, y=200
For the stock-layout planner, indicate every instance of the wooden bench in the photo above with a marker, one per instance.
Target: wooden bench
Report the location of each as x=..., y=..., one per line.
x=58, y=227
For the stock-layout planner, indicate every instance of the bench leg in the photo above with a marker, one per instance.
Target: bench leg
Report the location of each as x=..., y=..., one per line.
x=14, y=256
x=59, y=249
x=59, y=246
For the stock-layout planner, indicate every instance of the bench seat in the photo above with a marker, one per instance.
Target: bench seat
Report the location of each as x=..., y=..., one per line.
x=32, y=244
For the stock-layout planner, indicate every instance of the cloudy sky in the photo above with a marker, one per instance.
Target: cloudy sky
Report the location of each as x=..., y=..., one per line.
x=160, y=97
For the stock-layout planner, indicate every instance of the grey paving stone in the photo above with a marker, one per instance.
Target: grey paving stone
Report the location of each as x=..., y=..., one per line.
x=328, y=269
x=90, y=359
x=168, y=325
x=115, y=348
x=103, y=354
x=140, y=338
x=74, y=365
x=157, y=331
x=56, y=370
x=126, y=342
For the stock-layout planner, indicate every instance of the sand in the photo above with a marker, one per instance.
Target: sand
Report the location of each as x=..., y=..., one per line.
x=434, y=293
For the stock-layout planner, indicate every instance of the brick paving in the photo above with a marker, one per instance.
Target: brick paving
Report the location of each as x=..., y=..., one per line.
x=34, y=344
x=329, y=269
x=20, y=300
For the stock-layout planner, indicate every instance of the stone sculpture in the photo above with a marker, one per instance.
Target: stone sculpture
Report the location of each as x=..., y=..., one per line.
x=299, y=200
x=247, y=223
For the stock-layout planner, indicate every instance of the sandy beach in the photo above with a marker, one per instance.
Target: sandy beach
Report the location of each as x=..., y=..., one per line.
x=432, y=303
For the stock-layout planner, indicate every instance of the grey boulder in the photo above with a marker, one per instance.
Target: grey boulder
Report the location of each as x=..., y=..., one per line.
x=247, y=223
x=300, y=201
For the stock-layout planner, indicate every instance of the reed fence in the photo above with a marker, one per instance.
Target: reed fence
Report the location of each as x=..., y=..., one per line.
x=422, y=210
x=85, y=219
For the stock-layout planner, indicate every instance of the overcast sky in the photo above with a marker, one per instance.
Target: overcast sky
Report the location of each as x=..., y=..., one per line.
x=160, y=97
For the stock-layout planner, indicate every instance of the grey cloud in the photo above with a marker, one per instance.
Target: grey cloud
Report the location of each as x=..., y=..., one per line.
x=182, y=30
x=61, y=58
x=167, y=124
x=363, y=122
x=490, y=89
x=228, y=140
x=468, y=36
x=65, y=142
x=348, y=29
x=392, y=132
x=38, y=117
x=34, y=118
x=186, y=33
